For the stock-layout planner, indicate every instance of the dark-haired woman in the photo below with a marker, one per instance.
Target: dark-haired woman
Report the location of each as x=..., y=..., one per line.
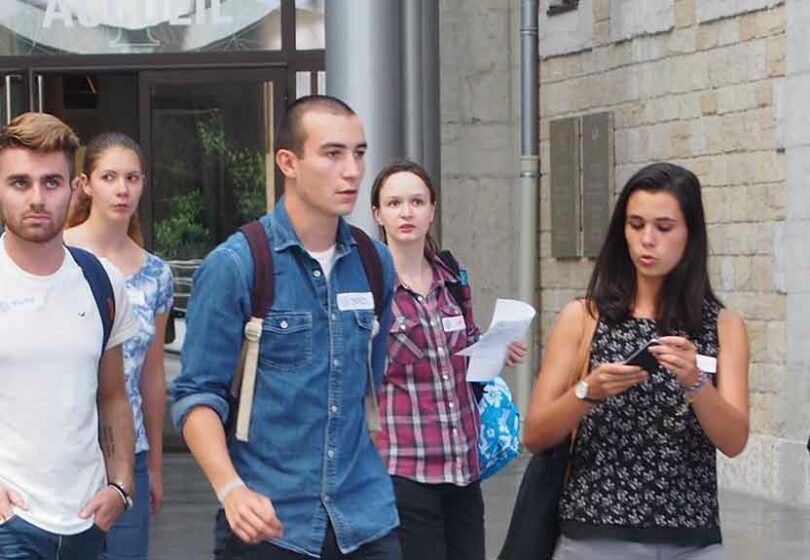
x=429, y=438
x=104, y=220
x=643, y=480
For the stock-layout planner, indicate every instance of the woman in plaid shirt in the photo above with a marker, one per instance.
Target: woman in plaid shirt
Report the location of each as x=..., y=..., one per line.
x=429, y=438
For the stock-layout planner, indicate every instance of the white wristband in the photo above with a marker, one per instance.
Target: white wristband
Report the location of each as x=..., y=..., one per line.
x=228, y=488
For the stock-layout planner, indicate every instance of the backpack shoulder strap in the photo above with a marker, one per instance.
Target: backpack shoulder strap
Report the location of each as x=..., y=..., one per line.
x=372, y=266
x=450, y=260
x=243, y=384
x=264, y=288
x=460, y=293
x=374, y=274
x=101, y=287
x=456, y=288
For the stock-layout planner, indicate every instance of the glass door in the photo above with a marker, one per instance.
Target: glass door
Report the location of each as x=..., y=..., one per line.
x=12, y=95
x=12, y=100
x=208, y=136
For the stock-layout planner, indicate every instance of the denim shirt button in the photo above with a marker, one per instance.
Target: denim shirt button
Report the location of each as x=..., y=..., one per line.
x=326, y=498
x=283, y=324
x=316, y=273
x=333, y=408
x=336, y=362
x=330, y=454
x=334, y=317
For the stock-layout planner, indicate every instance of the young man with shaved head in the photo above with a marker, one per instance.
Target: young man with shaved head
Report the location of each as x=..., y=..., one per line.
x=308, y=482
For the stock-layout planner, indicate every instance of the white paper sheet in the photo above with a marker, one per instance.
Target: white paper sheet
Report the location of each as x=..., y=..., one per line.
x=510, y=320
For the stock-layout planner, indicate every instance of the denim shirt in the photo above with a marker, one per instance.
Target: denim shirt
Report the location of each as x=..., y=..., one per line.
x=309, y=448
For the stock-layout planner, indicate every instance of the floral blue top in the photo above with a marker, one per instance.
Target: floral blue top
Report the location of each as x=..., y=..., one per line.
x=150, y=291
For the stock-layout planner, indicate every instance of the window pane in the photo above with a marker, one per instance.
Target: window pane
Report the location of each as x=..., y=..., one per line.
x=146, y=26
x=310, y=30
x=303, y=84
x=209, y=147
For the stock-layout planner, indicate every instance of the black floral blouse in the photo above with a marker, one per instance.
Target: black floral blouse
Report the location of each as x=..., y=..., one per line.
x=643, y=470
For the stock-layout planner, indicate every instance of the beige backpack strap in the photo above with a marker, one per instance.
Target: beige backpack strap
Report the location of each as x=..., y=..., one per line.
x=371, y=403
x=253, y=335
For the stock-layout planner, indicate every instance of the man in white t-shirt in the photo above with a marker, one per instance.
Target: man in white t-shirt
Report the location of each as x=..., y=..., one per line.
x=66, y=429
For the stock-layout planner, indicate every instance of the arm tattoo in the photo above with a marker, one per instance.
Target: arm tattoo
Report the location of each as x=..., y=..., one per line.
x=108, y=441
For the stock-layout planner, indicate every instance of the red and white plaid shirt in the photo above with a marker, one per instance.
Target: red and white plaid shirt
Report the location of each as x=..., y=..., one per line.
x=429, y=415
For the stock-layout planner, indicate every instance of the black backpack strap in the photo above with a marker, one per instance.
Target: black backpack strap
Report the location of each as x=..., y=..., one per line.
x=264, y=288
x=102, y=289
x=372, y=266
x=456, y=289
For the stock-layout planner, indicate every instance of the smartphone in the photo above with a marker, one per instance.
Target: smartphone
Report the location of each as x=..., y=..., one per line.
x=643, y=358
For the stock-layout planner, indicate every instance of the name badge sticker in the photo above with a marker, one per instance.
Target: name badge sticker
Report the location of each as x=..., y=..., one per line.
x=355, y=301
x=136, y=297
x=706, y=363
x=452, y=324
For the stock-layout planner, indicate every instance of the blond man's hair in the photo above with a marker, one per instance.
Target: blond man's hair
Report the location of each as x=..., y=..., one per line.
x=42, y=133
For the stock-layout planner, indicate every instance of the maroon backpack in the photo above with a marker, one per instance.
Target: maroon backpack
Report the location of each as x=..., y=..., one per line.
x=261, y=301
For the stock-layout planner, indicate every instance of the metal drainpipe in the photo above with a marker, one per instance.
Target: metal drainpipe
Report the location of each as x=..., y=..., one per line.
x=529, y=176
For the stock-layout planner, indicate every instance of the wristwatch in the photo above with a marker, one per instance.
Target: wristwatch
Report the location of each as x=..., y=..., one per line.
x=125, y=497
x=581, y=392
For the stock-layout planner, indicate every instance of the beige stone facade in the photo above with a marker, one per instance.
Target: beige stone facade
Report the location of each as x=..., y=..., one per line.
x=710, y=85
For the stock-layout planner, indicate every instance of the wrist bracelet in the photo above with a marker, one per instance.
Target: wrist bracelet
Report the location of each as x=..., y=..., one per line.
x=228, y=488
x=125, y=497
x=697, y=385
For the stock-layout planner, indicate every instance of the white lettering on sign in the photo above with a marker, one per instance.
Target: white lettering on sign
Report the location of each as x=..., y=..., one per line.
x=134, y=15
x=216, y=10
x=199, y=11
x=57, y=9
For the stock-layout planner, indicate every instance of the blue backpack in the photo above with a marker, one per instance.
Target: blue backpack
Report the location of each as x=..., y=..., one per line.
x=101, y=287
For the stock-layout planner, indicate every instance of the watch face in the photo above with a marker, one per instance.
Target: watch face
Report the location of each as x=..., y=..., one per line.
x=581, y=390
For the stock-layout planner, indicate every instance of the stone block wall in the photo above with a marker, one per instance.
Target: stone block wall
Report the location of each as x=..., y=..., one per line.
x=480, y=143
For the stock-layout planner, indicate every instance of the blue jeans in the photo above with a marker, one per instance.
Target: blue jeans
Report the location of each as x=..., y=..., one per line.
x=129, y=537
x=228, y=546
x=19, y=540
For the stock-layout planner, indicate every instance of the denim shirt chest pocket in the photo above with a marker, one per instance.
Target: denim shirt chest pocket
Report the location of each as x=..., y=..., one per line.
x=362, y=321
x=286, y=342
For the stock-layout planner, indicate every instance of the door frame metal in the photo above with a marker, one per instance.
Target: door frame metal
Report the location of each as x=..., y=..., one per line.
x=7, y=73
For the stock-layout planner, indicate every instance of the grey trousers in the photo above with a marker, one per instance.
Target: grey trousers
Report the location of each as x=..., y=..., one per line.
x=609, y=549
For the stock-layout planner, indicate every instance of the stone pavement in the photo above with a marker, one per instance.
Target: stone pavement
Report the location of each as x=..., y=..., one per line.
x=754, y=529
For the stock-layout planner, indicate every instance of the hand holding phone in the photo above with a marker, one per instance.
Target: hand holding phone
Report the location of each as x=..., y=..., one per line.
x=643, y=358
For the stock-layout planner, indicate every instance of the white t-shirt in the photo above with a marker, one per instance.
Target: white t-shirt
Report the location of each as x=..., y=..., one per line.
x=50, y=346
x=326, y=259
